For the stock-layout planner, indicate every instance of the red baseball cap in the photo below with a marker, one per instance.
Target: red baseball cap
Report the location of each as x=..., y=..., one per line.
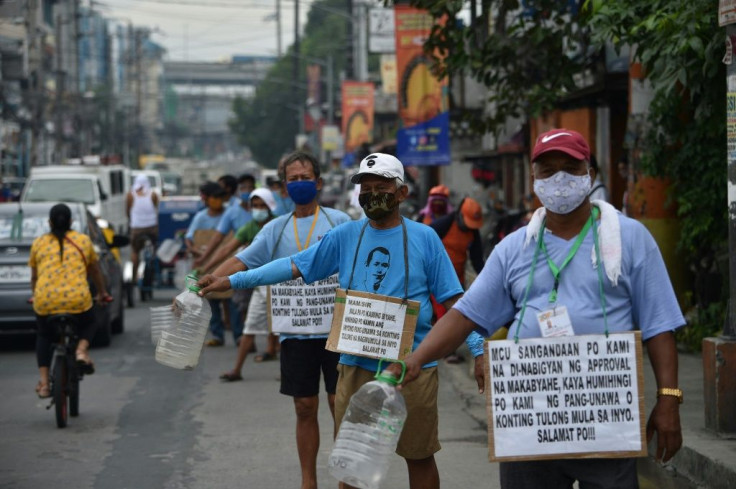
x=566, y=140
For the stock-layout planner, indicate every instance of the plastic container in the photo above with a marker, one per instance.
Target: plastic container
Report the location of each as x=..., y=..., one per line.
x=180, y=346
x=162, y=318
x=369, y=432
x=168, y=249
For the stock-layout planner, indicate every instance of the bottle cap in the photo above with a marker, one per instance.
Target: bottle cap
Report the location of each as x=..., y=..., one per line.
x=191, y=282
x=389, y=377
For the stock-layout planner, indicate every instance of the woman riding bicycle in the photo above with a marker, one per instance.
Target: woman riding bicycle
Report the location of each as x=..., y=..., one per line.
x=60, y=262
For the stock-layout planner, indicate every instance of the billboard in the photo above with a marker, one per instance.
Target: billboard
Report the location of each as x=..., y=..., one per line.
x=357, y=113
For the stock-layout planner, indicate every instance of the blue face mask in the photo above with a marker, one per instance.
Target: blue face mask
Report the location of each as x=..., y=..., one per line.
x=245, y=196
x=302, y=192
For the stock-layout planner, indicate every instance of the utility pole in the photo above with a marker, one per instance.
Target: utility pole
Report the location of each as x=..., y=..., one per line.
x=719, y=354
x=58, y=132
x=138, y=95
x=278, y=28
x=34, y=71
x=296, y=75
x=350, y=44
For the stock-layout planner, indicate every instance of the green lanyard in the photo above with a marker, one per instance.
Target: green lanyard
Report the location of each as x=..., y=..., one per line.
x=557, y=270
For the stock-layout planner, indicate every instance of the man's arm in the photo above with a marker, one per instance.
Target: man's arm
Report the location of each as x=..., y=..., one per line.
x=665, y=417
x=128, y=204
x=271, y=273
x=476, y=252
x=444, y=338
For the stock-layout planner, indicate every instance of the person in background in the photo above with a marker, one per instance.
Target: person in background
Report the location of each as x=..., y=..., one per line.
x=630, y=282
x=262, y=206
x=623, y=171
x=461, y=239
x=353, y=247
x=438, y=205
x=284, y=204
x=598, y=190
x=141, y=207
x=60, y=262
x=214, y=197
x=304, y=359
x=230, y=184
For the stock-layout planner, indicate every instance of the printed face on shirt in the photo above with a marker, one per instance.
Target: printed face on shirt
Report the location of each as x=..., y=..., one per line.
x=377, y=265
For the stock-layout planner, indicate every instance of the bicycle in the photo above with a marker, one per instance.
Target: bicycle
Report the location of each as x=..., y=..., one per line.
x=65, y=375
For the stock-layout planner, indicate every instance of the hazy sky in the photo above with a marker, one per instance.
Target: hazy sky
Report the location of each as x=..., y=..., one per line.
x=208, y=30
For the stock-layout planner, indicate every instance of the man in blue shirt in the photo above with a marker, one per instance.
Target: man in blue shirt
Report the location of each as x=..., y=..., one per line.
x=629, y=282
x=304, y=359
x=396, y=257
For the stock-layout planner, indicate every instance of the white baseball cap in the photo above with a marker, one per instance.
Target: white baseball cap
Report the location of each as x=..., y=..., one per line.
x=266, y=196
x=380, y=164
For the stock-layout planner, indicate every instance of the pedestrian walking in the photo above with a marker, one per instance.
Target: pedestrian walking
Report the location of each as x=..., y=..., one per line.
x=304, y=359
x=438, y=205
x=388, y=255
x=141, y=207
x=627, y=288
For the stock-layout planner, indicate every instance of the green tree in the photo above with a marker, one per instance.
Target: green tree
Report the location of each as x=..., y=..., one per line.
x=268, y=122
x=680, y=46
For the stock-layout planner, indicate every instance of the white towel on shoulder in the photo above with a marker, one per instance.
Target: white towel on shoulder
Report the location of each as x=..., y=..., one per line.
x=609, y=238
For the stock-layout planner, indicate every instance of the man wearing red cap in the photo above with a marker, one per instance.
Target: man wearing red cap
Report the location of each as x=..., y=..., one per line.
x=607, y=274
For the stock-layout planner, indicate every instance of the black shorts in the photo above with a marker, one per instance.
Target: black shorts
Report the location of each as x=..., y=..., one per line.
x=301, y=363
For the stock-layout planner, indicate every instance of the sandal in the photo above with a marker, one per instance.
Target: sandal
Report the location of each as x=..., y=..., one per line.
x=265, y=357
x=214, y=342
x=230, y=377
x=43, y=390
x=85, y=364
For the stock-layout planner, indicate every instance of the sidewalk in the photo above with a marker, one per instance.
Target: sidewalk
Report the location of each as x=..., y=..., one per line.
x=705, y=459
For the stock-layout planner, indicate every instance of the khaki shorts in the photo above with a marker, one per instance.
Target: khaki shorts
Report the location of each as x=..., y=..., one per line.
x=419, y=439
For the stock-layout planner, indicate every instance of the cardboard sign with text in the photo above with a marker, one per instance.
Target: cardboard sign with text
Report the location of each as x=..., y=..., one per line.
x=200, y=239
x=565, y=397
x=297, y=308
x=372, y=325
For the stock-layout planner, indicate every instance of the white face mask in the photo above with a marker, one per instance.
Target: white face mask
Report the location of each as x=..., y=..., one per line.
x=259, y=215
x=562, y=193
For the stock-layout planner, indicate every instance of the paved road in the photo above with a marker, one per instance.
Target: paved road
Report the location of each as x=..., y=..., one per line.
x=144, y=426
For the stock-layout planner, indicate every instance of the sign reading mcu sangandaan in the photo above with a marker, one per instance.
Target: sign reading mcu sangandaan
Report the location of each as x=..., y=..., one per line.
x=565, y=397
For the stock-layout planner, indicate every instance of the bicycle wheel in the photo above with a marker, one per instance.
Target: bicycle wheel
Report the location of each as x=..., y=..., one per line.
x=59, y=390
x=73, y=390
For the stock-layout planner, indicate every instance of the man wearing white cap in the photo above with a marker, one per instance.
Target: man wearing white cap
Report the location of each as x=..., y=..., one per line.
x=358, y=251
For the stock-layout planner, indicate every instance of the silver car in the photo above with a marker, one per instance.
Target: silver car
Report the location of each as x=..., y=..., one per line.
x=20, y=224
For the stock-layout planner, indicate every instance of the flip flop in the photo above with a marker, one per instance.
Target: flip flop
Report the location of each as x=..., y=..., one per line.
x=43, y=390
x=84, y=364
x=230, y=377
x=266, y=357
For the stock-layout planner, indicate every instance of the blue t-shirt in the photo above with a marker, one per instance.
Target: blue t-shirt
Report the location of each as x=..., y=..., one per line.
x=380, y=269
x=202, y=220
x=235, y=217
x=261, y=250
x=643, y=299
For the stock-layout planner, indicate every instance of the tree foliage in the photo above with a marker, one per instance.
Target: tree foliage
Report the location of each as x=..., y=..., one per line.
x=268, y=122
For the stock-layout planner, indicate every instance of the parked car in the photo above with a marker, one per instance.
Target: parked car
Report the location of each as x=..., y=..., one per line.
x=20, y=224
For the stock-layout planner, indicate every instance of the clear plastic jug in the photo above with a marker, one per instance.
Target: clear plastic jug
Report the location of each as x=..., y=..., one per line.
x=369, y=432
x=162, y=318
x=181, y=345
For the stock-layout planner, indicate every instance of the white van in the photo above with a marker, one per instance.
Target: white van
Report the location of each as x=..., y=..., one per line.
x=101, y=187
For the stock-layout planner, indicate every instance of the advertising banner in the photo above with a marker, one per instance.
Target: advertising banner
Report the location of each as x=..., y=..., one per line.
x=424, y=136
x=357, y=113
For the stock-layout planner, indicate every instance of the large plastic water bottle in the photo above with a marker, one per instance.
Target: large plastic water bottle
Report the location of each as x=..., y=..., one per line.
x=369, y=432
x=181, y=345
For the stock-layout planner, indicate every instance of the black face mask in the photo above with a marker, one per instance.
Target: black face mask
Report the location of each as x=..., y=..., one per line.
x=378, y=205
